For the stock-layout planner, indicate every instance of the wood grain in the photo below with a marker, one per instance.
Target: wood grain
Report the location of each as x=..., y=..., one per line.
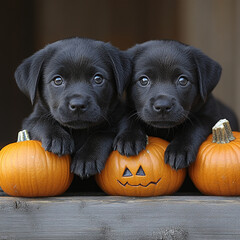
x=106, y=217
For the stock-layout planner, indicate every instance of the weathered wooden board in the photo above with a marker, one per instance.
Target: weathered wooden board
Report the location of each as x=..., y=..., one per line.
x=105, y=217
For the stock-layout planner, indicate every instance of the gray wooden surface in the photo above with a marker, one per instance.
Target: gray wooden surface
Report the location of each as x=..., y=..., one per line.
x=106, y=217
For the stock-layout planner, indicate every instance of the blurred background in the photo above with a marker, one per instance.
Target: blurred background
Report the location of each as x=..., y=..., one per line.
x=28, y=25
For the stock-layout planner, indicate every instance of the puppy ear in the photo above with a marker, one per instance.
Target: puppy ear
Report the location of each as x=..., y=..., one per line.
x=28, y=73
x=209, y=72
x=134, y=51
x=121, y=65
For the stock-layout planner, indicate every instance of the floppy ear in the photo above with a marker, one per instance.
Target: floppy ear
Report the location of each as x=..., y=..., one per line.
x=122, y=67
x=134, y=51
x=209, y=72
x=28, y=73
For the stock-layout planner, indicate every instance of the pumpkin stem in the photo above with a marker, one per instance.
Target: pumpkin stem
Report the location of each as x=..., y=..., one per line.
x=23, y=136
x=222, y=132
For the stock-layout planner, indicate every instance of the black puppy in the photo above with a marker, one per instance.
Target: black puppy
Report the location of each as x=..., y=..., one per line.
x=75, y=86
x=170, y=96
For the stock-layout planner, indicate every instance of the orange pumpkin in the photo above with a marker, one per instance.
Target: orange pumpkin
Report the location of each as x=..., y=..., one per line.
x=27, y=170
x=143, y=175
x=216, y=170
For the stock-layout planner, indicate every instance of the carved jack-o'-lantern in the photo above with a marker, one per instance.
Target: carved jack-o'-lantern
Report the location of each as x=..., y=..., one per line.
x=143, y=175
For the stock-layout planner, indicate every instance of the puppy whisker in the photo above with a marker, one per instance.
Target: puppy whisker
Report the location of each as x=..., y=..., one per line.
x=107, y=119
x=135, y=114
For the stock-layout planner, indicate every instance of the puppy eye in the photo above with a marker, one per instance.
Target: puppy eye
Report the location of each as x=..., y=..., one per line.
x=98, y=79
x=58, y=81
x=183, y=81
x=144, y=81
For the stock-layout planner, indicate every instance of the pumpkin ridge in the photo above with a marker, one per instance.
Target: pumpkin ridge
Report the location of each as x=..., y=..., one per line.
x=155, y=152
x=66, y=181
x=61, y=180
x=18, y=189
x=40, y=152
x=34, y=163
x=108, y=177
x=159, y=150
x=35, y=166
x=3, y=164
x=168, y=171
x=158, y=145
x=205, y=177
x=236, y=143
x=210, y=177
x=219, y=183
x=206, y=145
x=5, y=173
x=233, y=160
x=62, y=177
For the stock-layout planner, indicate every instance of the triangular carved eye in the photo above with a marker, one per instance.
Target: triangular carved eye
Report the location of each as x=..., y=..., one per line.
x=140, y=172
x=127, y=173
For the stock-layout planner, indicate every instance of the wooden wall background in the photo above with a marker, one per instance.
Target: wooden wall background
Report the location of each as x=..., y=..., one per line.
x=214, y=27
x=28, y=25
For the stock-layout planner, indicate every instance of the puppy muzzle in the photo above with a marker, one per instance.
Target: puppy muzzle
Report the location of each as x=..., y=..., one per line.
x=163, y=105
x=163, y=112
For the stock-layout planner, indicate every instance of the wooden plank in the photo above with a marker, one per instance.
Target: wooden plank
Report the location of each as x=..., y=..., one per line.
x=106, y=217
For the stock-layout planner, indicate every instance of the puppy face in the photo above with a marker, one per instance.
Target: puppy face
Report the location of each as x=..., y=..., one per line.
x=169, y=81
x=78, y=80
x=79, y=86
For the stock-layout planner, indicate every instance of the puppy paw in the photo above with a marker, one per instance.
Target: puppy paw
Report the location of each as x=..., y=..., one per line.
x=130, y=144
x=178, y=156
x=90, y=159
x=86, y=167
x=60, y=144
x=92, y=156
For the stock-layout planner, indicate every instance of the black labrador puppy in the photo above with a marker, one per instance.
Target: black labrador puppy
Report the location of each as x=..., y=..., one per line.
x=75, y=85
x=170, y=97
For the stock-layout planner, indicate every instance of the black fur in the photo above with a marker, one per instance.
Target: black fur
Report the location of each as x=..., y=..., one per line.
x=170, y=97
x=75, y=85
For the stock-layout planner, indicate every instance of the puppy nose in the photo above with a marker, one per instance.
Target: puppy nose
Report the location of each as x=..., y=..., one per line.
x=163, y=105
x=77, y=104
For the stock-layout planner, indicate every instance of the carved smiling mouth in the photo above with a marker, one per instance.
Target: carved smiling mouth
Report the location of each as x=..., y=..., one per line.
x=132, y=185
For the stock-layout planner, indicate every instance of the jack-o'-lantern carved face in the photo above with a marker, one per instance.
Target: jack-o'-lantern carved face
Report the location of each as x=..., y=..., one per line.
x=142, y=175
x=136, y=180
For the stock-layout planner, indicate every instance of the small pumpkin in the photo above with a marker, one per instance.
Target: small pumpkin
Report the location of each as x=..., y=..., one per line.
x=216, y=170
x=27, y=170
x=143, y=175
